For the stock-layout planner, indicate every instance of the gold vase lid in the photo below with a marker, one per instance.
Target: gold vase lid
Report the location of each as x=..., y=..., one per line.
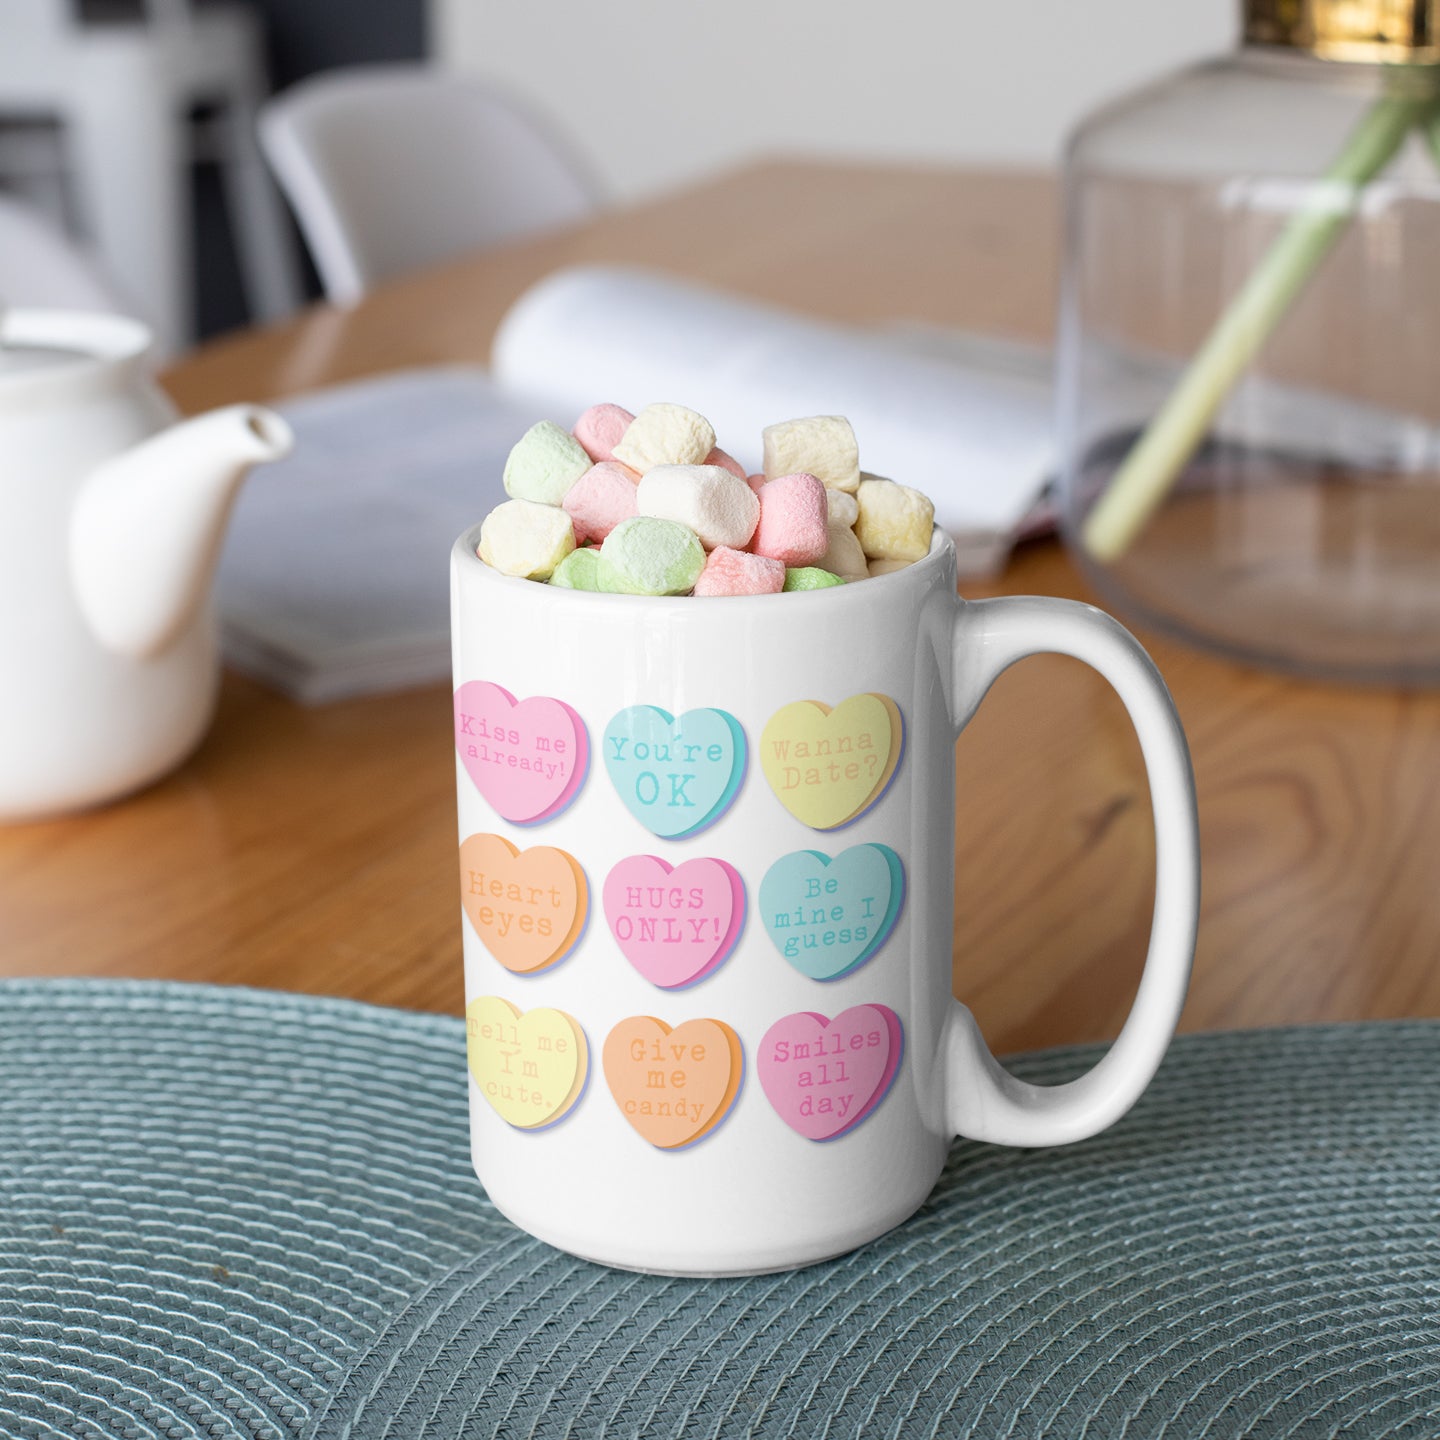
x=1403, y=32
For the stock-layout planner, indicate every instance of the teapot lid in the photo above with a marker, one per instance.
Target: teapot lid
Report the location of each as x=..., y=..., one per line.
x=24, y=359
x=58, y=346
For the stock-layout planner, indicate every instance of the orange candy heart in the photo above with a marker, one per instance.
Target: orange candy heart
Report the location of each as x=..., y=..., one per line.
x=674, y=1086
x=527, y=906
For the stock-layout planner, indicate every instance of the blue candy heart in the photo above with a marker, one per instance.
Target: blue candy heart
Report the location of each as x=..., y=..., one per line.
x=828, y=916
x=677, y=774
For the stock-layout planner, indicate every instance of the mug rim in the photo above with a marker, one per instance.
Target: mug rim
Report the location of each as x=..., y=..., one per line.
x=466, y=552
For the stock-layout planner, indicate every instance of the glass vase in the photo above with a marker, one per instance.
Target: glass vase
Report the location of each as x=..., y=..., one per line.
x=1249, y=359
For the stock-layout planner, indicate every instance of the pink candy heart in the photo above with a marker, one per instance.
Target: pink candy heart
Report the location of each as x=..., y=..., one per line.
x=527, y=758
x=822, y=1076
x=674, y=925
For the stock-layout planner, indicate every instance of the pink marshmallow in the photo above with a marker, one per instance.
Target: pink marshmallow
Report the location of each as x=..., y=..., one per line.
x=600, y=499
x=756, y=481
x=793, y=520
x=600, y=429
x=718, y=457
x=734, y=572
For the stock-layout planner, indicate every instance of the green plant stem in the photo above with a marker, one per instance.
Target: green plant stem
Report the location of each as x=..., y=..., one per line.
x=1432, y=133
x=1153, y=463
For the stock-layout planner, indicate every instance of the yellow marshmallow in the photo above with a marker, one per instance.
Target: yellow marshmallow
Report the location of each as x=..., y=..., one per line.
x=665, y=435
x=895, y=521
x=823, y=445
x=525, y=538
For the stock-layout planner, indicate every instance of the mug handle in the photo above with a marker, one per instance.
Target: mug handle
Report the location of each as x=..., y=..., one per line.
x=983, y=1100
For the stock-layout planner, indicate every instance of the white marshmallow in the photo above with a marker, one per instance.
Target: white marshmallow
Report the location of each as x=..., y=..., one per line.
x=824, y=445
x=844, y=558
x=665, y=435
x=844, y=508
x=720, y=508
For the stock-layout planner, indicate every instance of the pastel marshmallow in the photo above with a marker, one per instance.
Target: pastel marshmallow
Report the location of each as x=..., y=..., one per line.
x=525, y=538
x=793, y=525
x=844, y=507
x=719, y=508
x=810, y=577
x=665, y=435
x=600, y=429
x=887, y=567
x=600, y=499
x=737, y=572
x=649, y=556
x=895, y=521
x=719, y=457
x=822, y=445
x=579, y=570
x=756, y=481
x=544, y=463
x=844, y=557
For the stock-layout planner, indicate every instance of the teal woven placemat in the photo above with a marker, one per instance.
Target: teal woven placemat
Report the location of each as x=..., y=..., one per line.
x=233, y=1213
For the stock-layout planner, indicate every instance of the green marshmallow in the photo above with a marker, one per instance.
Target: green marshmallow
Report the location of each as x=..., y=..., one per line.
x=544, y=464
x=810, y=577
x=579, y=570
x=647, y=556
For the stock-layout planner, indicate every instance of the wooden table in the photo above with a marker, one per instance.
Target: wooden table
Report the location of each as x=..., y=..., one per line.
x=314, y=849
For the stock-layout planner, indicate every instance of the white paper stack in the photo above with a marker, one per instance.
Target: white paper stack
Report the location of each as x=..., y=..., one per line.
x=334, y=580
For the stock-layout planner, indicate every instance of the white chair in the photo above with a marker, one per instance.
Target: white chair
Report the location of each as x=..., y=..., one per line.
x=41, y=269
x=123, y=93
x=393, y=168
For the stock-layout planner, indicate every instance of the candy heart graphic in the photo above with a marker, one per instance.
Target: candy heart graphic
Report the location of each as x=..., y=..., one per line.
x=527, y=758
x=828, y=767
x=823, y=1077
x=676, y=773
x=527, y=906
x=674, y=1086
x=828, y=916
x=675, y=926
x=531, y=1066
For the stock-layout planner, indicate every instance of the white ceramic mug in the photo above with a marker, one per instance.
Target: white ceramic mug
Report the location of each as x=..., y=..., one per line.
x=707, y=880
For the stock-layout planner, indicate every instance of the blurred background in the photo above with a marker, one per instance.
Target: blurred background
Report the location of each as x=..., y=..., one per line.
x=647, y=95
x=962, y=82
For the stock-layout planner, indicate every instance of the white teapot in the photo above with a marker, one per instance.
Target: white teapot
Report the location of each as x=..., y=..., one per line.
x=111, y=519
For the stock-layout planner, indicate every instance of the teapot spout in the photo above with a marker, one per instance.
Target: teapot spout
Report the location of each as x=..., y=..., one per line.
x=147, y=525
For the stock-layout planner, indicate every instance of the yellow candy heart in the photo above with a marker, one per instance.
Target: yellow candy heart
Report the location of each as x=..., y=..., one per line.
x=531, y=1067
x=829, y=766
